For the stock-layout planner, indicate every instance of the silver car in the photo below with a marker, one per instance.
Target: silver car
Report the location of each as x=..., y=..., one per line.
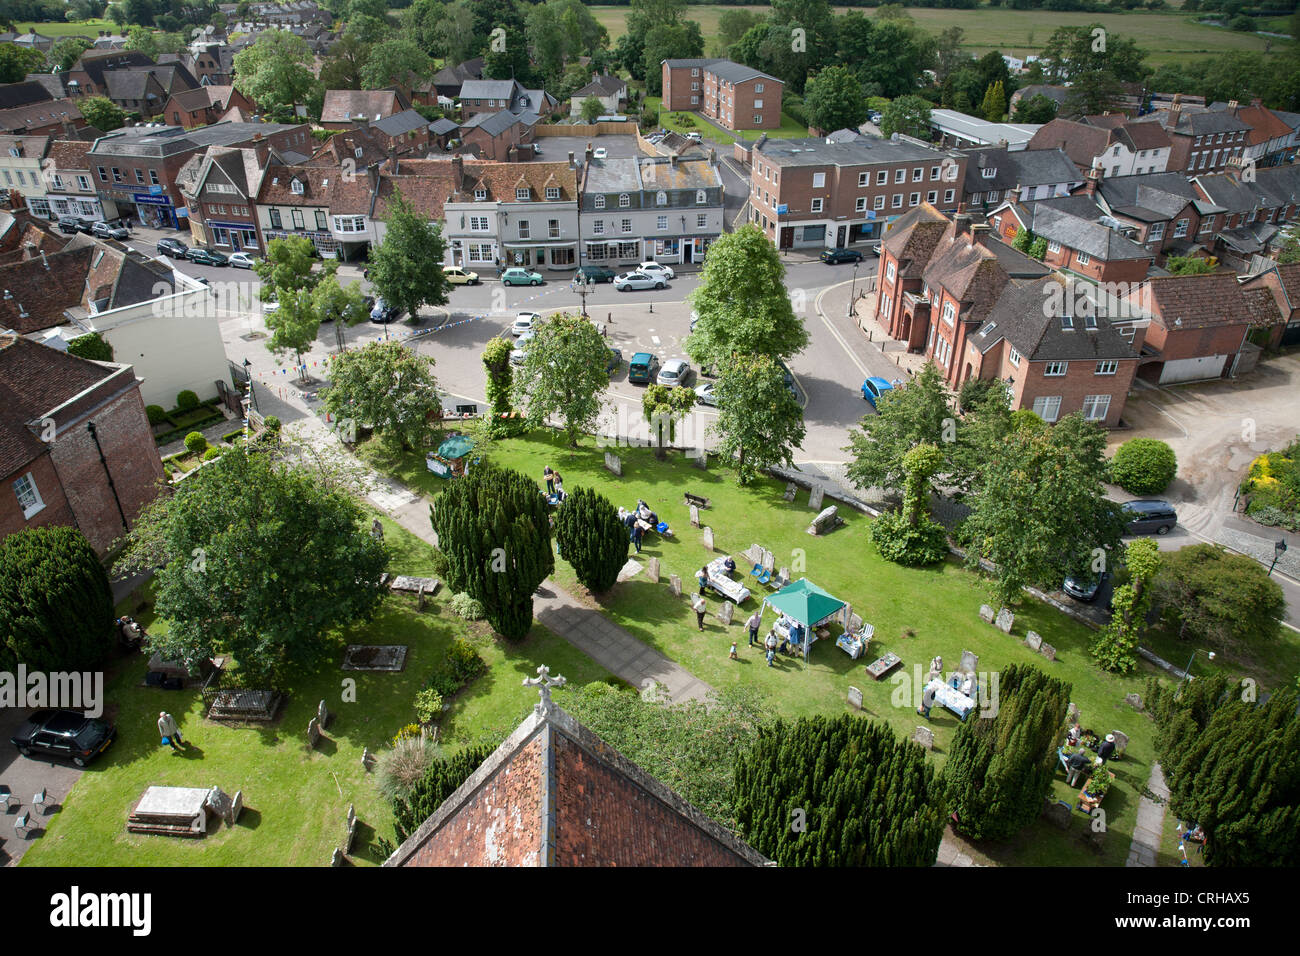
x=652, y=268
x=674, y=373
x=637, y=280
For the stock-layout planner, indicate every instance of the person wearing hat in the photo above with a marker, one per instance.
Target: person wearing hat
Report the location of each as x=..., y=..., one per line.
x=171, y=734
x=1107, y=748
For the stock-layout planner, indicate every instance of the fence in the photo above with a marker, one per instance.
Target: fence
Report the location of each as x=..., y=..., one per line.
x=625, y=127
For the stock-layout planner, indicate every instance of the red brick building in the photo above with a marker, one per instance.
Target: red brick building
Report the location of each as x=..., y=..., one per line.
x=732, y=94
x=555, y=794
x=1282, y=285
x=50, y=457
x=1076, y=240
x=1201, y=140
x=204, y=106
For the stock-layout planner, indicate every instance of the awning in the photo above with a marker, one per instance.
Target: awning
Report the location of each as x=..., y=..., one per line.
x=454, y=448
x=805, y=603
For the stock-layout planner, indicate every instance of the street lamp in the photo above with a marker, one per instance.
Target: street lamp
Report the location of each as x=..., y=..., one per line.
x=581, y=284
x=1279, y=549
x=853, y=287
x=1187, y=672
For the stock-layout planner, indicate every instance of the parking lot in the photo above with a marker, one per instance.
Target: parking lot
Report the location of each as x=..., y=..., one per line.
x=555, y=149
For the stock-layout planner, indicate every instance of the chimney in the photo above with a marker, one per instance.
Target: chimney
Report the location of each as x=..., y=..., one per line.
x=257, y=137
x=571, y=159
x=979, y=232
x=392, y=157
x=961, y=225
x=1232, y=107
x=458, y=167
x=1092, y=181
x=672, y=160
x=587, y=154
x=44, y=261
x=762, y=138
x=1171, y=118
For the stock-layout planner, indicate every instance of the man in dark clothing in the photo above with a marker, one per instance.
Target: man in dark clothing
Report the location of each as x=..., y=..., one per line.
x=1076, y=767
x=636, y=537
x=1107, y=748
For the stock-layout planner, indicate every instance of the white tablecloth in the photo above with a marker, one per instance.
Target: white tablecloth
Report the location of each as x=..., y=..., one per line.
x=951, y=698
x=724, y=585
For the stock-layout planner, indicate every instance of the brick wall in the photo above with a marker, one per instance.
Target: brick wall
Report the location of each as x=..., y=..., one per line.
x=677, y=88
x=1193, y=343
x=1079, y=382
x=56, y=510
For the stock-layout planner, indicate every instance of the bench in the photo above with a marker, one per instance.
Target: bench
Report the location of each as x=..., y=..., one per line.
x=696, y=500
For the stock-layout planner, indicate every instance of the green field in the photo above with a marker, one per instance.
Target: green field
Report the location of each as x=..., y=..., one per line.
x=85, y=28
x=1167, y=37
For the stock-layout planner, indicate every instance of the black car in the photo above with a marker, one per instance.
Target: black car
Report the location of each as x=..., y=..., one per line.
x=383, y=313
x=173, y=247
x=597, y=273
x=206, y=257
x=836, y=256
x=70, y=225
x=106, y=231
x=64, y=733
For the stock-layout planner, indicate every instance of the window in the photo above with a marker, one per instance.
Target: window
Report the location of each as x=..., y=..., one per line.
x=629, y=250
x=553, y=228
x=947, y=196
x=819, y=180
x=1048, y=407
x=1083, y=258
x=1053, y=369
x=995, y=195
x=1014, y=356
x=934, y=173
x=932, y=196
x=878, y=202
x=1108, y=367
x=478, y=223
x=1207, y=224
x=1115, y=151
x=349, y=223
x=1180, y=228
x=624, y=200
x=275, y=219
x=552, y=192
x=297, y=220
x=701, y=197
x=480, y=195
x=661, y=198
x=321, y=223
x=914, y=199
x=864, y=179
x=524, y=229
x=890, y=270
x=29, y=498
x=1114, y=170
x=758, y=87
x=600, y=202
x=701, y=221
x=117, y=175
x=861, y=205
x=758, y=104
x=1096, y=407
x=295, y=187
x=1053, y=246
x=900, y=175
x=1157, y=231
x=598, y=228
x=882, y=177
x=153, y=177
x=898, y=201
x=817, y=205
x=949, y=313
x=139, y=176
x=481, y=252
x=627, y=225
x=83, y=183
x=523, y=193
x=695, y=71
x=918, y=174
x=695, y=101
x=695, y=87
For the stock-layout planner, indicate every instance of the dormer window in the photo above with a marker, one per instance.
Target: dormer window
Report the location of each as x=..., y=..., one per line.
x=552, y=192
x=523, y=193
x=480, y=195
x=624, y=200
x=295, y=187
x=988, y=173
x=600, y=202
x=661, y=198
x=357, y=152
x=15, y=151
x=1090, y=322
x=700, y=197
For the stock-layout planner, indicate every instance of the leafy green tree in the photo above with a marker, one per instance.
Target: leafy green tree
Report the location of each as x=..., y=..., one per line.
x=1190, y=265
x=287, y=267
x=1038, y=248
x=948, y=53
x=906, y=114
x=742, y=302
x=870, y=799
x=1212, y=596
x=91, y=346
x=342, y=305
x=493, y=526
x=259, y=560
x=276, y=70
x=342, y=65
x=1115, y=647
x=1001, y=766
x=294, y=326
x=834, y=100
x=759, y=423
x=733, y=24
x=387, y=386
x=395, y=62
x=406, y=268
x=1290, y=251
x=564, y=375
x=16, y=62
x=102, y=113
x=665, y=42
x=910, y=536
x=66, y=52
x=591, y=108
x=1023, y=239
x=663, y=407
x=905, y=417
x=591, y=537
x=500, y=377
x=1233, y=765
x=1144, y=466
x=1036, y=109
x=1039, y=507
x=994, y=106
x=56, y=606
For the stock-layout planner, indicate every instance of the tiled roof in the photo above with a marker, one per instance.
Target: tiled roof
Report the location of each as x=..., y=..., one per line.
x=1082, y=143
x=343, y=146
x=913, y=238
x=502, y=179
x=346, y=106
x=39, y=115
x=1198, y=302
x=203, y=97
x=38, y=88
x=43, y=288
x=70, y=154
x=424, y=183
x=1261, y=307
x=342, y=194
x=1019, y=317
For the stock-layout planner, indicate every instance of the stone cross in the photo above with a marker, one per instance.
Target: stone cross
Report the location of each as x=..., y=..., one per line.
x=652, y=570
x=815, y=497
x=695, y=516
x=322, y=714
x=544, y=682
x=707, y=534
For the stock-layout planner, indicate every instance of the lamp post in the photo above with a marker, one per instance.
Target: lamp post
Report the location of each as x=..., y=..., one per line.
x=1279, y=549
x=582, y=285
x=252, y=395
x=853, y=287
x=1187, y=672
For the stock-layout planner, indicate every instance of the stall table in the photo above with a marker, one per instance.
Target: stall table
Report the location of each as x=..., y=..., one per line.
x=883, y=665
x=725, y=585
x=951, y=698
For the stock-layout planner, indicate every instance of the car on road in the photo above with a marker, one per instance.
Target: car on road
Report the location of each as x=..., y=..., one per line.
x=103, y=230
x=694, y=137
x=518, y=356
x=706, y=394
x=71, y=225
x=614, y=360
x=597, y=273
x=523, y=340
x=64, y=733
x=383, y=313
x=640, y=369
x=1147, y=515
x=833, y=257
x=600, y=152
x=242, y=260
x=520, y=277
x=206, y=257
x=172, y=247
x=653, y=268
x=788, y=377
x=674, y=373
x=525, y=322
x=638, y=280
x=1085, y=587
x=874, y=387
x=458, y=276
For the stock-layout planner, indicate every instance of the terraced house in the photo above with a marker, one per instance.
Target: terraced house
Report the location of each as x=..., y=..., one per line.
x=1079, y=238
x=327, y=205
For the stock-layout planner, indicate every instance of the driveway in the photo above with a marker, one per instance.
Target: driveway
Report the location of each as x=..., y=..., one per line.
x=25, y=776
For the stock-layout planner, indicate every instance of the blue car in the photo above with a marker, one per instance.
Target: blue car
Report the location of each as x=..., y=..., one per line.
x=875, y=387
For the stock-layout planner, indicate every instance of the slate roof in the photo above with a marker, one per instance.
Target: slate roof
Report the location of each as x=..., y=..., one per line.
x=604, y=85
x=29, y=147
x=738, y=72
x=494, y=124
x=202, y=97
x=865, y=150
x=1059, y=221
x=130, y=85
x=1195, y=121
x=1226, y=190
x=457, y=75
x=38, y=115
x=406, y=121
x=441, y=126
x=1151, y=197
x=489, y=90
x=36, y=88
x=1280, y=184
x=96, y=63
x=1018, y=317
x=1037, y=167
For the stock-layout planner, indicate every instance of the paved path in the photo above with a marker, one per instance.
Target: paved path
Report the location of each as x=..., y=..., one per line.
x=1147, y=834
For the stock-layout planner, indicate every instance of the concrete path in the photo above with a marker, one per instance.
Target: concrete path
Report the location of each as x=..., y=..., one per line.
x=1147, y=834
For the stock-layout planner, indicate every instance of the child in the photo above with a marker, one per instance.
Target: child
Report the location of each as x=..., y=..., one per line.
x=733, y=654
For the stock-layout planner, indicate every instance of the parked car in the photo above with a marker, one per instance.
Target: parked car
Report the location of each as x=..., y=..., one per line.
x=875, y=117
x=525, y=322
x=1086, y=586
x=653, y=268
x=695, y=318
x=518, y=356
x=458, y=276
x=694, y=137
x=614, y=361
x=834, y=257
x=71, y=225
x=383, y=313
x=874, y=387
x=640, y=370
x=242, y=260
x=520, y=277
x=600, y=152
x=1147, y=515
x=706, y=394
x=104, y=230
x=172, y=247
x=523, y=340
x=597, y=273
x=64, y=733
x=637, y=280
x=789, y=379
x=206, y=257
x=674, y=372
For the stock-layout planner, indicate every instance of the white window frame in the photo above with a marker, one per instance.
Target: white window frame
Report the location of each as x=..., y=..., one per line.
x=599, y=202
x=890, y=270
x=882, y=177
x=864, y=179
x=523, y=194
x=1094, y=403
x=479, y=224
x=947, y=196
x=1013, y=356
x=33, y=503
x=624, y=201
x=1055, y=369
x=819, y=180
x=1045, y=404
x=878, y=202
x=552, y=193
x=897, y=202
x=914, y=199
x=861, y=204
x=1107, y=367
x=817, y=204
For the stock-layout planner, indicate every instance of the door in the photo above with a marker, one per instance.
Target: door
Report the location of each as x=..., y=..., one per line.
x=787, y=237
x=841, y=235
x=234, y=240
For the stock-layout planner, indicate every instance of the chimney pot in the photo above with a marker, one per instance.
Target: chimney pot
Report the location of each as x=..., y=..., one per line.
x=961, y=224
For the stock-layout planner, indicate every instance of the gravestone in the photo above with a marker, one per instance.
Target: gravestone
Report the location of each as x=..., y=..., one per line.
x=695, y=516
x=421, y=599
x=1072, y=714
x=726, y=611
x=924, y=736
x=1058, y=814
x=236, y=807
x=675, y=585
x=614, y=463
x=986, y=614
x=1121, y=741
x=336, y=859
x=855, y=697
x=350, y=833
x=815, y=497
x=827, y=520
x=701, y=460
x=322, y=714
x=219, y=803
x=652, y=570
x=629, y=570
x=1034, y=640
x=706, y=535
x=1004, y=620
x=367, y=758
x=1133, y=700
x=313, y=732
x=1048, y=651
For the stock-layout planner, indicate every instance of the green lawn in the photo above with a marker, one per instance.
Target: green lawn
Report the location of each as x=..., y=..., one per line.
x=85, y=28
x=916, y=613
x=296, y=799
x=685, y=122
x=1167, y=37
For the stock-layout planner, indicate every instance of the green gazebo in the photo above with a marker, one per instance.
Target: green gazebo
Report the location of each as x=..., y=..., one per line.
x=806, y=604
x=449, y=461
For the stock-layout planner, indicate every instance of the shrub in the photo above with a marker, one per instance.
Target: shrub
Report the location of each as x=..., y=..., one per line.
x=399, y=770
x=466, y=607
x=463, y=661
x=409, y=732
x=212, y=453
x=91, y=346
x=1143, y=466
x=439, y=563
x=924, y=543
x=438, y=780
x=1242, y=23
x=428, y=705
x=444, y=682
x=1274, y=517
x=156, y=414
x=591, y=537
x=272, y=424
x=186, y=400
x=195, y=443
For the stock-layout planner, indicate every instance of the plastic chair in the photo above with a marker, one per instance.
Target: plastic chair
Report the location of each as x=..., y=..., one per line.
x=23, y=825
x=42, y=801
x=8, y=798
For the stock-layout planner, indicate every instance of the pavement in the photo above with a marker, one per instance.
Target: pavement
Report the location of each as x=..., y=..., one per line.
x=27, y=776
x=1149, y=830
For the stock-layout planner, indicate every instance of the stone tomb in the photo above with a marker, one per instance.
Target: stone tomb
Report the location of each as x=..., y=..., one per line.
x=374, y=657
x=404, y=582
x=171, y=811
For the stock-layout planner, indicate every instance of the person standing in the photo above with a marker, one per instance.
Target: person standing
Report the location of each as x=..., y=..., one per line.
x=734, y=656
x=927, y=702
x=700, y=608
x=171, y=734
x=550, y=479
x=637, y=534
x=702, y=576
x=770, y=644
x=1107, y=748
x=1075, y=767
x=755, y=621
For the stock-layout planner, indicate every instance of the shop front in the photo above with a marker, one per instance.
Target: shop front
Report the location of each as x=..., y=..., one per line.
x=561, y=254
x=326, y=245
x=156, y=211
x=236, y=236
